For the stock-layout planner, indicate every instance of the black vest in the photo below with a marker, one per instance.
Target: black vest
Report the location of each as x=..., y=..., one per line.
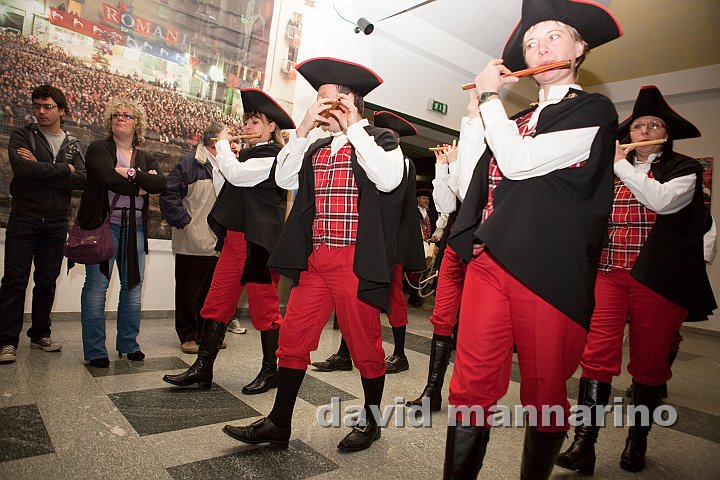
x=257, y=211
x=671, y=261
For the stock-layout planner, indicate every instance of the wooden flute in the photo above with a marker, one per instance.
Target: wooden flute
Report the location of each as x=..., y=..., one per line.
x=439, y=149
x=239, y=137
x=644, y=143
x=326, y=113
x=530, y=71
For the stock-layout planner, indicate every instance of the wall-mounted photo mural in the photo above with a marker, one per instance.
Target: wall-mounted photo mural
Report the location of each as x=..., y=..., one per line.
x=183, y=60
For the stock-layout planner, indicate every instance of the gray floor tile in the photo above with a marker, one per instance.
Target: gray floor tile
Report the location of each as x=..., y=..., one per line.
x=127, y=367
x=23, y=433
x=298, y=462
x=318, y=392
x=166, y=409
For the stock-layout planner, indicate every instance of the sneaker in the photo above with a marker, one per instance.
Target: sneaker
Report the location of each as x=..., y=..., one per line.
x=7, y=354
x=234, y=327
x=47, y=344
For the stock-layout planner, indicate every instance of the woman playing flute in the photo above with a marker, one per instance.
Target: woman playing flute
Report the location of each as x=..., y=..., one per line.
x=652, y=271
x=532, y=228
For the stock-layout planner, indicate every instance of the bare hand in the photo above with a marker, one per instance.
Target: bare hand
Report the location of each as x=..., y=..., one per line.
x=473, y=108
x=313, y=117
x=153, y=172
x=621, y=154
x=26, y=154
x=491, y=79
x=452, y=152
x=72, y=167
x=441, y=157
x=122, y=171
x=348, y=113
x=224, y=134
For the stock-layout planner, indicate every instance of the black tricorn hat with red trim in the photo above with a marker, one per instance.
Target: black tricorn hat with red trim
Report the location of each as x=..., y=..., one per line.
x=255, y=100
x=392, y=121
x=595, y=24
x=323, y=70
x=650, y=102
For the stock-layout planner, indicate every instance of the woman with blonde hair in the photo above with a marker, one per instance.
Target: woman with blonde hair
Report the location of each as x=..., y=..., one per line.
x=120, y=177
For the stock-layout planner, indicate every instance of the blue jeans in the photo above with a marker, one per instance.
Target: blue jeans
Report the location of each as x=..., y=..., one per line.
x=92, y=304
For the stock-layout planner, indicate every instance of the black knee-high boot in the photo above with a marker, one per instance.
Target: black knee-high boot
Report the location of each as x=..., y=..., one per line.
x=540, y=451
x=201, y=372
x=440, y=351
x=580, y=455
x=267, y=378
x=464, y=452
x=276, y=427
x=633, y=457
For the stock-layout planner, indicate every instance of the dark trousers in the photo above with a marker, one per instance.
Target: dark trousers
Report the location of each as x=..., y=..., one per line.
x=29, y=241
x=193, y=275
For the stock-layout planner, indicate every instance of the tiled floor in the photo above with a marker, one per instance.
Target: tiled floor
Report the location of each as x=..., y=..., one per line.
x=62, y=420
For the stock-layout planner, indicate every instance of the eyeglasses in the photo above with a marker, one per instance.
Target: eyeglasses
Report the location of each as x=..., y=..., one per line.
x=651, y=126
x=47, y=107
x=126, y=116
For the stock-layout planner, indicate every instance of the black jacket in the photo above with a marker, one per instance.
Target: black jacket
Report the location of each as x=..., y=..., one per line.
x=548, y=231
x=43, y=188
x=101, y=162
x=378, y=225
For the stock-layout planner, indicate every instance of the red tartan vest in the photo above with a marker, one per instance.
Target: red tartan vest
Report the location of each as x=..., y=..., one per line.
x=629, y=225
x=336, y=195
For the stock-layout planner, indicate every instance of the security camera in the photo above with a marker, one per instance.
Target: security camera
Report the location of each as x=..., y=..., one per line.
x=364, y=25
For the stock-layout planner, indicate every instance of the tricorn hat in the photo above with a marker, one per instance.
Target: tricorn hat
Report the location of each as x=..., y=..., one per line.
x=255, y=100
x=593, y=22
x=650, y=102
x=323, y=71
x=402, y=127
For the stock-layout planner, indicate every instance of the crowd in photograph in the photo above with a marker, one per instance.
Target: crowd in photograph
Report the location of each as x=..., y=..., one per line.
x=172, y=117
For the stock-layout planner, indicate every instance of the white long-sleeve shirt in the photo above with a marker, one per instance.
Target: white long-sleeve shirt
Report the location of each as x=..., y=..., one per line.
x=662, y=198
x=241, y=174
x=520, y=158
x=445, y=187
x=384, y=169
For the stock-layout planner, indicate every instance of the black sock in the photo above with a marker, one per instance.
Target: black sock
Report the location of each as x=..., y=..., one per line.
x=289, y=381
x=373, y=390
x=343, y=350
x=399, y=338
x=442, y=338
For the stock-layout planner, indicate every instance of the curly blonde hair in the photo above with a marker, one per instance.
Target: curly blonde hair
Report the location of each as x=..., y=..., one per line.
x=138, y=112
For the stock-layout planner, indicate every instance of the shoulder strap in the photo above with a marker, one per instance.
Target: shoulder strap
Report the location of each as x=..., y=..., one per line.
x=116, y=197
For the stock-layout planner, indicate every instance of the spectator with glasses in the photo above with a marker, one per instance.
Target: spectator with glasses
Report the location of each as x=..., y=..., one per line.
x=47, y=164
x=122, y=175
x=652, y=271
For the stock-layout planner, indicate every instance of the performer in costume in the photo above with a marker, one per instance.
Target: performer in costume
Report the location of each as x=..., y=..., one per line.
x=338, y=244
x=410, y=257
x=532, y=230
x=247, y=218
x=652, y=272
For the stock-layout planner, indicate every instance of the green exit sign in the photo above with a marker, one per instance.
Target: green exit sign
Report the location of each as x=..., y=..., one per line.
x=436, y=106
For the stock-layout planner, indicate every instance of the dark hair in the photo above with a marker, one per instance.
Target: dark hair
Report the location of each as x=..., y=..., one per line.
x=48, y=91
x=211, y=132
x=359, y=103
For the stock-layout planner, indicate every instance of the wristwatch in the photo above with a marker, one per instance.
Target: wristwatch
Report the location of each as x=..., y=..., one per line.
x=485, y=96
x=131, y=173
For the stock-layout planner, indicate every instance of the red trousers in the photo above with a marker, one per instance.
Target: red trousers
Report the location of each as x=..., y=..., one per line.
x=225, y=289
x=654, y=324
x=448, y=293
x=330, y=284
x=398, y=315
x=498, y=311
